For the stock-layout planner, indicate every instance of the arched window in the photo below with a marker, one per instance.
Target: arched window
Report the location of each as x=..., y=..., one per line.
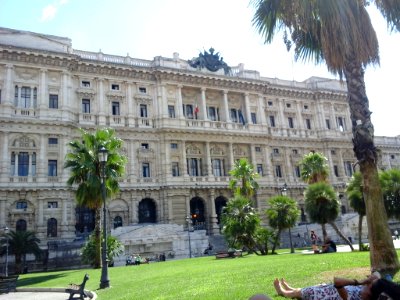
x=147, y=211
x=197, y=210
x=117, y=222
x=21, y=225
x=52, y=227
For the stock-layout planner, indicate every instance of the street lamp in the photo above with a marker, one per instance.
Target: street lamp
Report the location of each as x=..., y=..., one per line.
x=284, y=193
x=6, y=233
x=189, y=220
x=104, y=282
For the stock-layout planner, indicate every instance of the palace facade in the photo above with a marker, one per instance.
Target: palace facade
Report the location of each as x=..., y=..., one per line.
x=182, y=126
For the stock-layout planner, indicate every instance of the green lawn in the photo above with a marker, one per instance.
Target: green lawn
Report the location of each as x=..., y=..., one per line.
x=208, y=278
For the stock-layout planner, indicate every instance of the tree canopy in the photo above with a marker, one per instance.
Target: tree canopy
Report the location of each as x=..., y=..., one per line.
x=244, y=178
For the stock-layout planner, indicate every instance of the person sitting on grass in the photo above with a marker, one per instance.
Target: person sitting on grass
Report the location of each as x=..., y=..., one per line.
x=342, y=288
x=329, y=246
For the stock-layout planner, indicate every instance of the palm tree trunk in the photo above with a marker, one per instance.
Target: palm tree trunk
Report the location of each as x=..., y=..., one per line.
x=324, y=233
x=97, y=231
x=360, y=220
x=278, y=235
x=340, y=233
x=383, y=256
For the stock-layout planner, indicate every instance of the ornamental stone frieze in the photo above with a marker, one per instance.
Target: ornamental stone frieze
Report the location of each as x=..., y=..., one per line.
x=85, y=93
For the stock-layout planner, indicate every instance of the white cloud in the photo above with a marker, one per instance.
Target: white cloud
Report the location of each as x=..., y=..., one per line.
x=50, y=11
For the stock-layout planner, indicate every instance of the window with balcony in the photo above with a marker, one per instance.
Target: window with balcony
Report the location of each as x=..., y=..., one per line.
x=272, y=121
x=308, y=123
x=143, y=110
x=213, y=113
x=234, y=115
x=336, y=170
x=145, y=170
x=188, y=111
x=52, y=168
x=175, y=169
x=115, y=108
x=171, y=111
x=260, y=169
x=27, y=97
x=348, y=167
x=341, y=123
x=328, y=124
x=23, y=163
x=253, y=118
x=290, y=122
x=297, y=171
x=194, y=166
x=86, y=106
x=53, y=101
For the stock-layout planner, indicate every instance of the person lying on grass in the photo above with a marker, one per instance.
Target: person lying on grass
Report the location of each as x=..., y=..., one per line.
x=342, y=288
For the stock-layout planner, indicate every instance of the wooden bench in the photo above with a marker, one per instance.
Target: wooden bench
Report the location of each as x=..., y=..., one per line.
x=8, y=284
x=74, y=289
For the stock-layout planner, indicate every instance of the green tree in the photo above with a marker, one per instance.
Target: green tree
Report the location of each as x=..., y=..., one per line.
x=263, y=238
x=22, y=243
x=354, y=193
x=323, y=207
x=240, y=223
x=282, y=213
x=340, y=33
x=244, y=178
x=314, y=168
x=85, y=167
x=390, y=182
x=114, y=249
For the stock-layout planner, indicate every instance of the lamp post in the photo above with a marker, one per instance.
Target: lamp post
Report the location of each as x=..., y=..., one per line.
x=104, y=282
x=284, y=193
x=189, y=220
x=6, y=233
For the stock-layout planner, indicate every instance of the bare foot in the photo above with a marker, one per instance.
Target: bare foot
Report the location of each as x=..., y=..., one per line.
x=278, y=287
x=285, y=285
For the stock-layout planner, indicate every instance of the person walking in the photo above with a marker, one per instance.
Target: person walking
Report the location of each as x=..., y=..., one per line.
x=314, y=239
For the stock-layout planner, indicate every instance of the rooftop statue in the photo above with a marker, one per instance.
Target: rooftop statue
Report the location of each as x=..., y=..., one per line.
x=210, y=61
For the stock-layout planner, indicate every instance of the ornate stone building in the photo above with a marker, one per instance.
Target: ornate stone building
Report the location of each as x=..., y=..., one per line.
x=183, y=127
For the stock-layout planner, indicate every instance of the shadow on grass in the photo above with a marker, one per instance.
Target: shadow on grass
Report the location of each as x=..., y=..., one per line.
x=40, y=278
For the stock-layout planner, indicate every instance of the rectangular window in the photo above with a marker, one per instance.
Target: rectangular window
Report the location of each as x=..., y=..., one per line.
x=23, y=164
x=52, y=168
x=253, y=118
x=348, y=168
x=272, y=121
x=295, y=151
x=25, y=97
x=86, y=83
x=290, y=122
x=175, y=169
x=328, y=124
x=288, y=105
x=258, y=149
x=234, y=115
x=278, y=171
x=336, y=170
x=143, y=110
x=341, y=123
x=308, y=123
x=260, y=169
x=86, y=106
x=188, y=111
x=276, y=151
x=115, y=108
x=193, y=166
x=297, y=171
x=142, y=90
x=217, y=167
x=174, y=146
x=145, y=146
x=270, y=103
x=53, y=101
x=21, y=205
x=52, y=204
x=53, y=141
x=305, y=107
x=115, y=87
x=0, y=96
x=146, y=170
x=212, y=113
x=171, y=111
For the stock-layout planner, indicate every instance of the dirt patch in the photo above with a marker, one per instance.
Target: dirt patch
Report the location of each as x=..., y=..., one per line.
x=357, y=273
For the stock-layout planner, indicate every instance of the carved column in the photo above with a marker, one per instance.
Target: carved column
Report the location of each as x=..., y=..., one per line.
x=184, y=161
x=203, y=104
x=9, y=86
x=214, y=229
x=103, y=112
x=261, y=113
x=247, y=108
x=179, y=102
x=5, y=157
x=231, y=157
x=43, y=104
x=226, y=106
x=208, y=159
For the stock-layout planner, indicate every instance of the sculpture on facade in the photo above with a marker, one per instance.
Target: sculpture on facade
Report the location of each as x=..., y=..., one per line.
x=210, y=61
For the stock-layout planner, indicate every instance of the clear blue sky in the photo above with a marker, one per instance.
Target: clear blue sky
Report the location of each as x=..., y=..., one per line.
x=149, y=28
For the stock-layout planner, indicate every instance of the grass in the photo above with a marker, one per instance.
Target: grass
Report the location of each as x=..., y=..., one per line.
x=208, y=278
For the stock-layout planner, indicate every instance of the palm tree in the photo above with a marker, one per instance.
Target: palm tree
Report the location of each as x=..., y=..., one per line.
x=322, y=207
x=85, y=169
x=354, y=192
x=22, y=243
x=314, y=168
x=390, y=182
x=244, y=178
x=340, y=33
x=282, y=214
x=240, y=223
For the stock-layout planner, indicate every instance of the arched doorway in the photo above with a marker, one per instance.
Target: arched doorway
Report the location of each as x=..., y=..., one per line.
x=21, y=225
x=147, y=211
x=197, y=212
x=52, y=227
x=85, y=220
x=220, y=203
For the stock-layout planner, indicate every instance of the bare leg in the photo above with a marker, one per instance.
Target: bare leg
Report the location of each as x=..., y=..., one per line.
x=286, y=286
x=288, y=293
